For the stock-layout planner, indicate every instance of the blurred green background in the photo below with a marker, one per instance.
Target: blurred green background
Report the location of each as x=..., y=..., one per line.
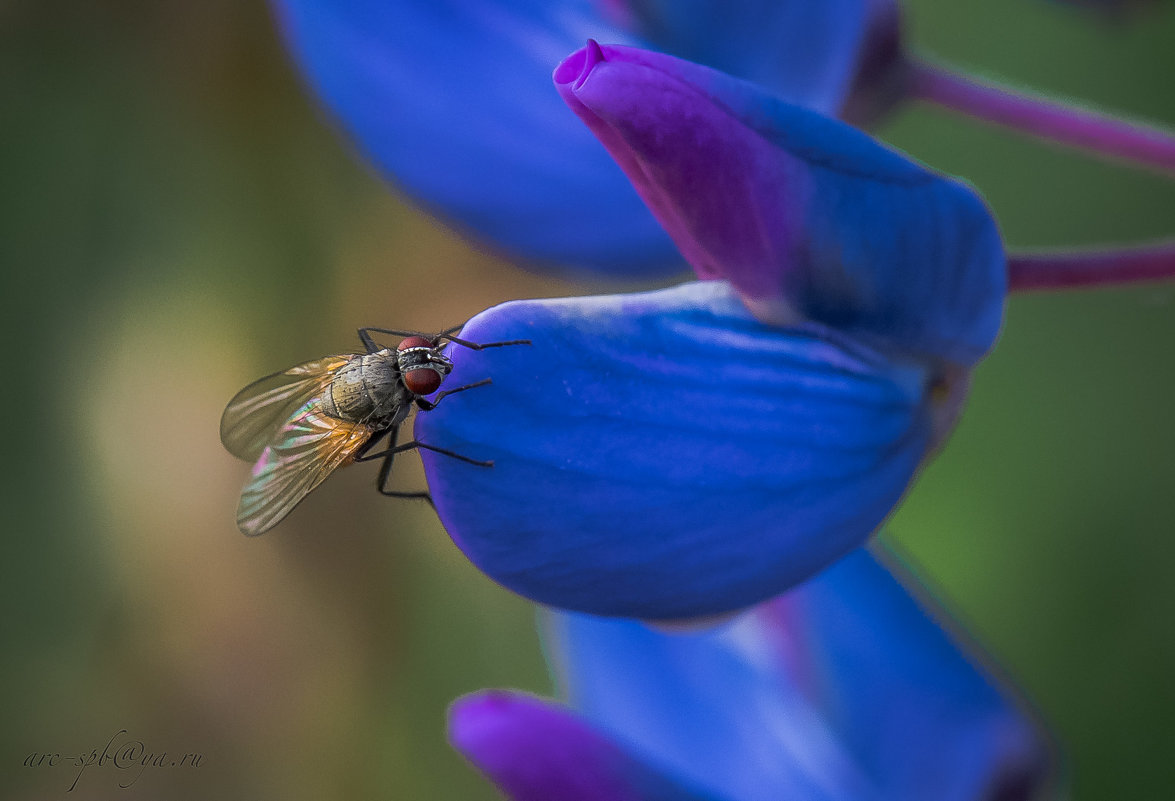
x=178, y=219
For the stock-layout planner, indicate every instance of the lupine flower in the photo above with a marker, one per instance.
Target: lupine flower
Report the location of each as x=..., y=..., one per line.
x=696, y=451
x=842, y=690
x=670, y=454
x=450, y=100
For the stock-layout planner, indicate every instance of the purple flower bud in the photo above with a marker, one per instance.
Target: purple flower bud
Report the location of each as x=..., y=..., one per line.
x=806, y=217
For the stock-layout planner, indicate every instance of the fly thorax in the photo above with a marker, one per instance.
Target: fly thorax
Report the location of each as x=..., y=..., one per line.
x=366, y=390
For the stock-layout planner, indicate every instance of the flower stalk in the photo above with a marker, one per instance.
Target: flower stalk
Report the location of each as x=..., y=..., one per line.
x=1101, y=134
x=1090, y=268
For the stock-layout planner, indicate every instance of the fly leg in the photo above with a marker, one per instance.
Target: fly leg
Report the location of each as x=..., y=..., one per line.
x=465, y=343
x=393, y=449
x=385, y=470
x=428, y=406
x=364, y=455
x=407, y=446
x=372, y=347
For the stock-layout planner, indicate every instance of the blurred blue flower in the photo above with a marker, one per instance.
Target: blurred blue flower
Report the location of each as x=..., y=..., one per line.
x=672, y=454
x=451, y=99
x=842, y=690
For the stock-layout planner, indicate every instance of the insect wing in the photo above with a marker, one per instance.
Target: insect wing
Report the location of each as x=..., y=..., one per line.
x=255, y=416
x=308, y=448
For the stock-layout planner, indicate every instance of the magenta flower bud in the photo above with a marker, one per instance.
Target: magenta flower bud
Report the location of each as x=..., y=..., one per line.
x=808, y=218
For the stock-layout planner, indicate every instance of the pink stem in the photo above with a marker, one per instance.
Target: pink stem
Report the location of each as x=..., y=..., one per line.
x=1069, y=125
x=1083, y=268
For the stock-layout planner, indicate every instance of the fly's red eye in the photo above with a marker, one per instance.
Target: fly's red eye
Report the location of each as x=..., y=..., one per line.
x=422, y=380
x=414, y=342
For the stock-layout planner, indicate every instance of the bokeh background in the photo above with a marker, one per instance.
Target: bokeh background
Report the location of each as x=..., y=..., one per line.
x=177, y=219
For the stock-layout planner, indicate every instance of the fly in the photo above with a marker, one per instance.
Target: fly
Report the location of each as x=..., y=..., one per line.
x=300, y=425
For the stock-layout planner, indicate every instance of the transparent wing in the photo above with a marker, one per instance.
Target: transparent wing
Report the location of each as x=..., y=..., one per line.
x=258, y=412
x=305, y=451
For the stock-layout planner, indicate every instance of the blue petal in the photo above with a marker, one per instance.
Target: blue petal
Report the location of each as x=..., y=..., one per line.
x=453, y=100
x=664, y=455
x=535, y=750
x=844, y=690
x=800, y=212
x=898, y=689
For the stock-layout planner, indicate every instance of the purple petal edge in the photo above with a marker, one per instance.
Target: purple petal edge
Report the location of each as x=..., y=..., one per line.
x=535, y=750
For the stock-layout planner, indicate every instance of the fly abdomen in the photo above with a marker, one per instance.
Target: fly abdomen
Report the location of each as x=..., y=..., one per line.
x=368, y=390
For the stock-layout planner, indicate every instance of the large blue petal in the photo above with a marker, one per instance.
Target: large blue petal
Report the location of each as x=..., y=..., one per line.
x=800, y=212
x=665, y=455
x=452, y=99
x=535, y=750
x=843, y=689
